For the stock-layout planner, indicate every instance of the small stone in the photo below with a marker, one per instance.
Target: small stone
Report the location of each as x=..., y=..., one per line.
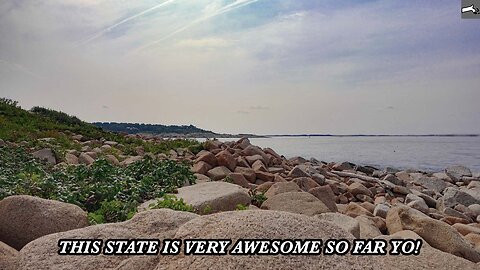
x=325, y=194
x=381, y=210
x=46, y=155
x=305, y=183
x=218, y=173
x=85, y=159
x=282, y=187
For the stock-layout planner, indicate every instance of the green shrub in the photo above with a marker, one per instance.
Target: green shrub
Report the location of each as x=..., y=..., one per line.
x=107, y=192
x=207, y=210
x=172, y=202
x=257, y=197
x=241, y=207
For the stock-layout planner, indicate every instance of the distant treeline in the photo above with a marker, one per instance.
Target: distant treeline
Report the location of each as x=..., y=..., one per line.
x=135, y=128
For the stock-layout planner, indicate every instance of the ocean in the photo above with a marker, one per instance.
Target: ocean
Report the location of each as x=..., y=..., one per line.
x=430, y=154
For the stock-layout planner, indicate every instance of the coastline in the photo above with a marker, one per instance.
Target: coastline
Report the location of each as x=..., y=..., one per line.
x=247, y=192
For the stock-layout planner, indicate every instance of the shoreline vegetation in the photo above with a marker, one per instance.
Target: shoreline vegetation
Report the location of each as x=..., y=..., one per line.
x=62, y=178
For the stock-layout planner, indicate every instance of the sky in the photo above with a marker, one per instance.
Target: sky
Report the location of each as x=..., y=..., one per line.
x=248, y=66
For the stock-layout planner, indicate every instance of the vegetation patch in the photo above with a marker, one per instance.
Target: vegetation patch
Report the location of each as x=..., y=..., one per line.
x=19, y=125
x=172, y=202
x=109, y=193
x=257, y=197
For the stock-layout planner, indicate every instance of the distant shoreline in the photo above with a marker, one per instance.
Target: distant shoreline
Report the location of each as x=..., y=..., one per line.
x=374, y=135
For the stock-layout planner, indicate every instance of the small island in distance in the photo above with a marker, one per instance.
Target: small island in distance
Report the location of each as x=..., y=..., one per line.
x=172, y=131
x=191, y=131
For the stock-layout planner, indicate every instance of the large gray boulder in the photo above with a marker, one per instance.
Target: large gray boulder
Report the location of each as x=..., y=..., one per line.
x=457, y=172
x=453, y=196
x=42, y=254
x=26, y=218
x=431, y=183
x=262, y=225
x=210, y=197
x=296, y=202
x=8, y=257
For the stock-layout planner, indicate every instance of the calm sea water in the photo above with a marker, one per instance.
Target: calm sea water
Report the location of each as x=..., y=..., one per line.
x=422, y=153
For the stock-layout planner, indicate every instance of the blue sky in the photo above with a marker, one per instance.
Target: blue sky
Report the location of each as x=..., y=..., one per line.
x=403, y=67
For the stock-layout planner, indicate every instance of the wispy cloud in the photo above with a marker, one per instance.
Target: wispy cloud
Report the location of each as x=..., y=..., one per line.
x=21, y=68
x=228, y=8
x=126, y=20
x=232, y=66
x=259, y=108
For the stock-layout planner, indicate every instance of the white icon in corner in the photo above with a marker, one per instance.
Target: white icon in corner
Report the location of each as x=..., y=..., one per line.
x=470, y=9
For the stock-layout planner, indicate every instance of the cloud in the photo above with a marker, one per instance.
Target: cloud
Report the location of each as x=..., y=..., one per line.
x=126, y=20
x=209, y=42
x=259, y=108
x=219, y=59
x=22, y=69
x=227, y=8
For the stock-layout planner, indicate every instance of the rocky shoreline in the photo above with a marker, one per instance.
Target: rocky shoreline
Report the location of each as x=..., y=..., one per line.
x=282, y=198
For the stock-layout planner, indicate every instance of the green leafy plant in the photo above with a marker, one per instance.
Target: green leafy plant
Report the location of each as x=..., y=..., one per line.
x=257, y=197
x=228, y=179
x=107, y=192
x=172, y=202
x=241, y=207
x=207, y=210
